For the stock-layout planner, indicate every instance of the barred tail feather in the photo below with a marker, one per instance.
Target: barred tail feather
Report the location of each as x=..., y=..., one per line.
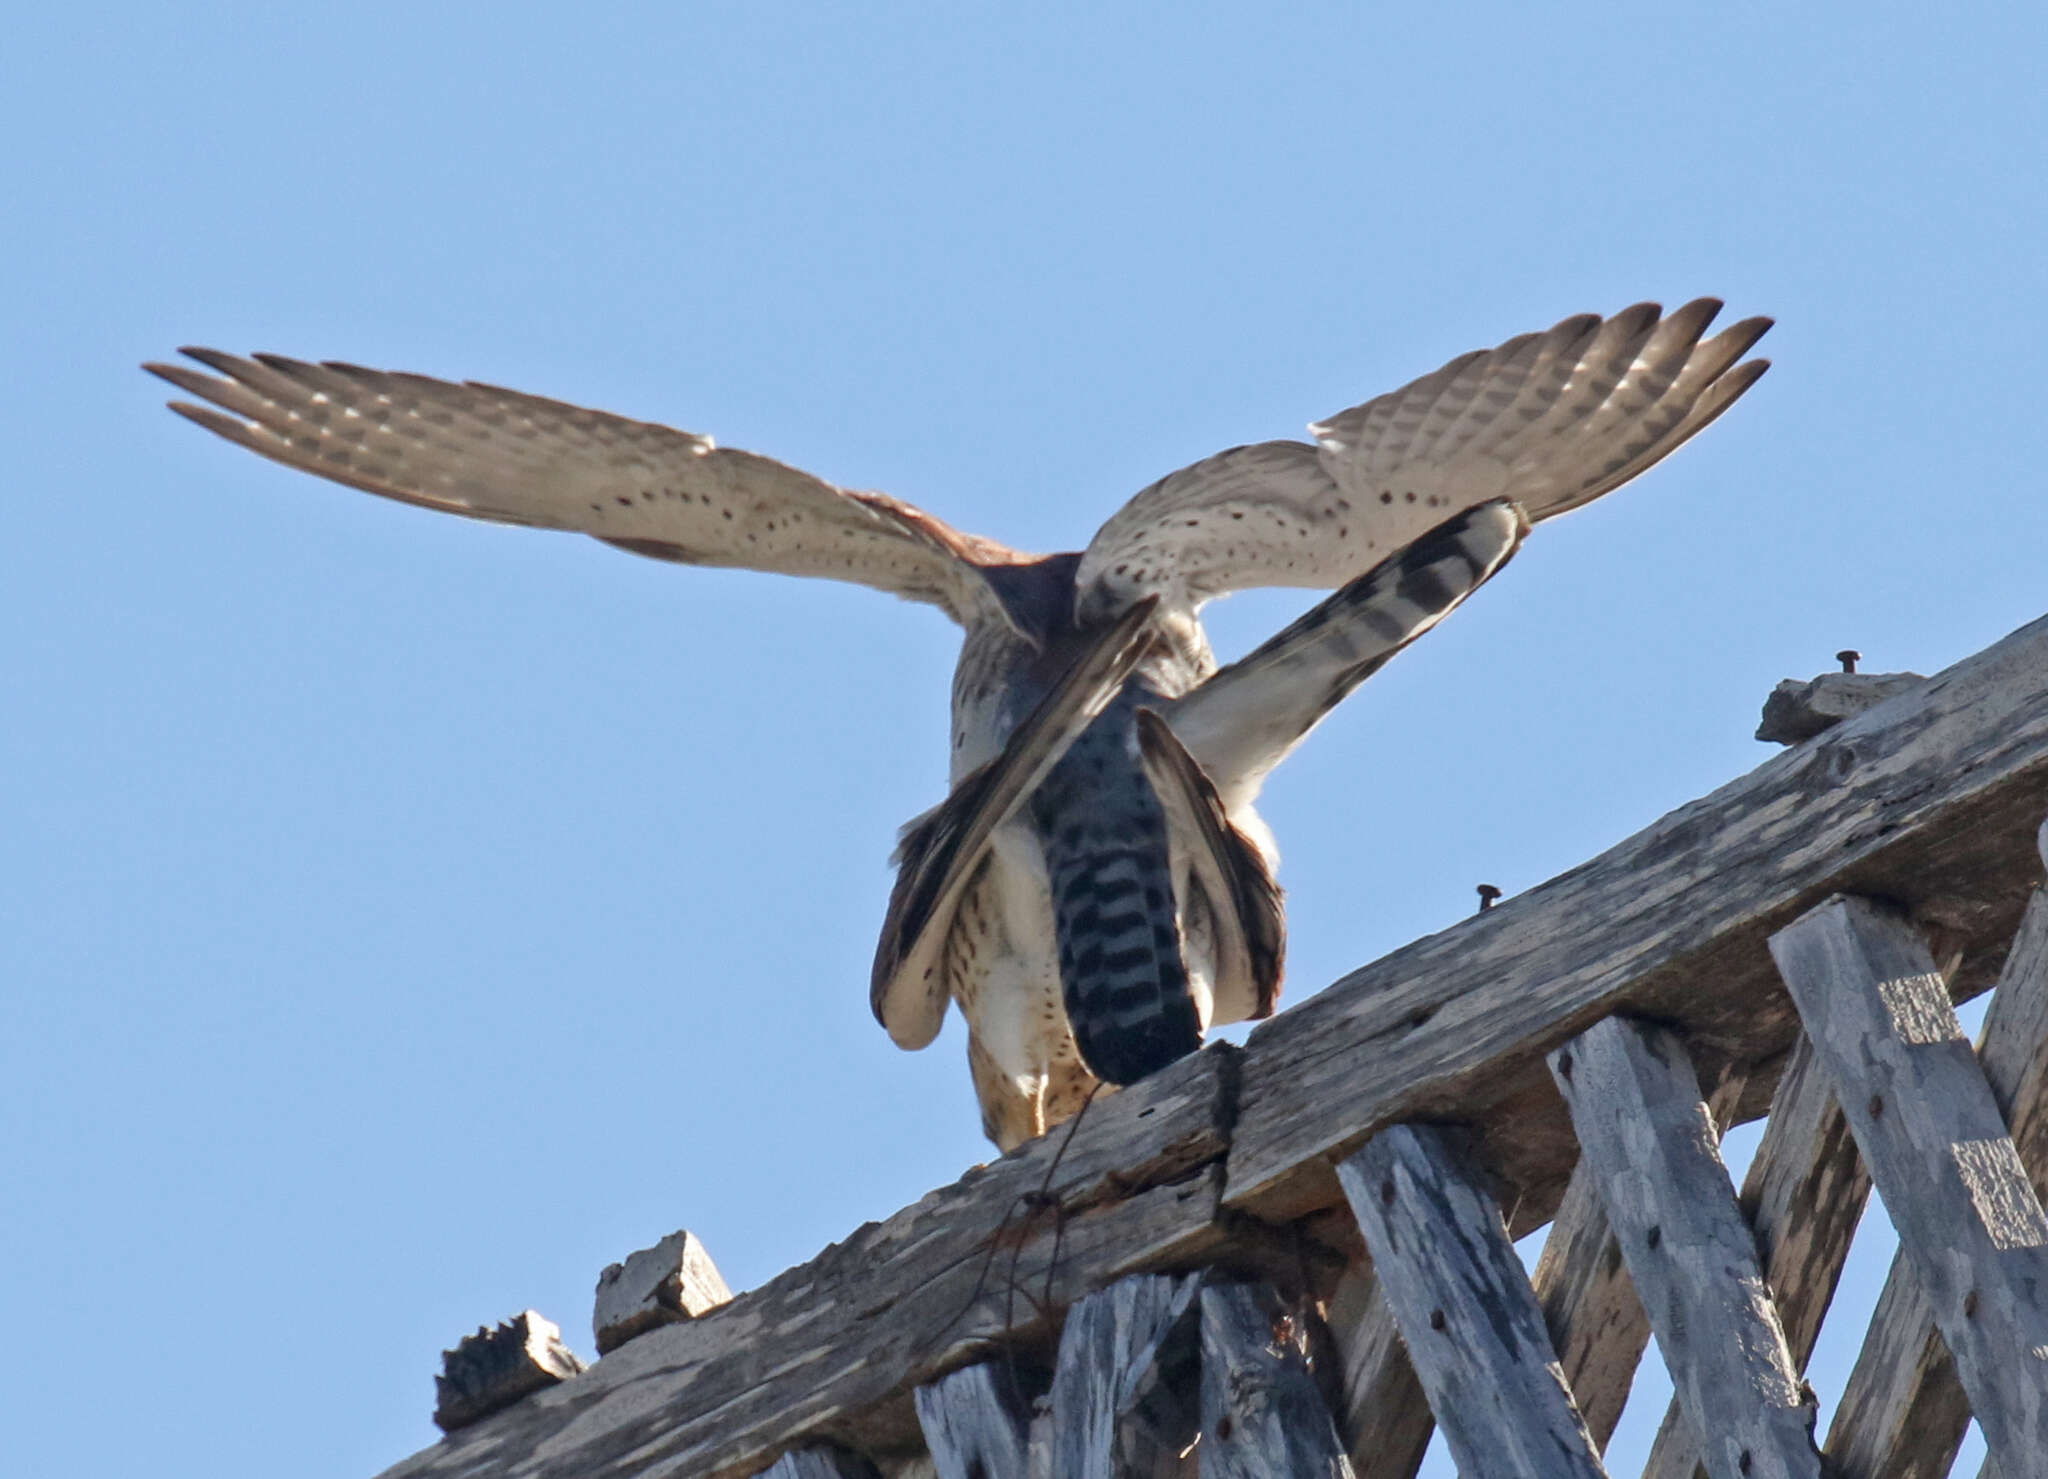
x=1122, y=974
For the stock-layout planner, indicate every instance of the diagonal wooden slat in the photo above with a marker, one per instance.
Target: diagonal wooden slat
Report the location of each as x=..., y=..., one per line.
x=1903, y=1413
x=1382, y=1413
x=1263, y=1416
x=1803, y=1196
x=1121, y=1401
x=1969, y=1224
x=1649, y=1136
x=974, y=1424
x=1473, y=1328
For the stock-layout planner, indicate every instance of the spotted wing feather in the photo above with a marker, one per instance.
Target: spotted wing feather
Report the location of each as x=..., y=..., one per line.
x=513, y=458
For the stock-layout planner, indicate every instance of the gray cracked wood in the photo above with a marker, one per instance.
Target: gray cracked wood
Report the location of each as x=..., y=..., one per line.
x=1589, y=1302
x=1465, y=1308
x=975, y=1425
x=1650, y=1139
x=1902, y=1413
x=821, y=1463
x=1803, y=1196
x=1263, y=1416
x=1969, y=1223
x=1123, y=1394
x=1381, y=1411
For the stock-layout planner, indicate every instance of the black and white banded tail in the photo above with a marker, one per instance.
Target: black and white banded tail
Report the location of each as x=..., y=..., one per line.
x=1122, y=973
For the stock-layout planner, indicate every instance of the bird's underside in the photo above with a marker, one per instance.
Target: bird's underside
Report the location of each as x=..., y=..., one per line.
x=1097, y=890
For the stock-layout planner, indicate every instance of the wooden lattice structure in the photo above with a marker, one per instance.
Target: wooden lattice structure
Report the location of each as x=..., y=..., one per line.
x=1293, y=1258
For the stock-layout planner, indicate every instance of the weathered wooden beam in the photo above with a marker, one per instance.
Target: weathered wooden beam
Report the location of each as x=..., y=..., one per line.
x=1464, y=1305
x=1123, y=1394
x=1927, y=1123
x=499, y=1367
x=1263, y=1416
x=1930, y=799
x=1650, y=1139
x=1382, y=1414
x=1902, y=1413
x=675, y=1280
x=1917, y=799
x=821, y=1462
x=1803, y=1197
x=1590, y=1307
x=975, y=1424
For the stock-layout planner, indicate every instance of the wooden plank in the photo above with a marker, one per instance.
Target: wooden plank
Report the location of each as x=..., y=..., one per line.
x=1464, y=1306
x=1650, y=1139
x=1122, y=1396
x=1969, y=1223
x=1381, y=1411
x=1903, y=1413
x=1917, y=798
x=1589, y=1302
x=1590, y=1307
x=1263, y=1416
x=974, y=1424
x=1930, y=799
x=821, y=1463
x=1803, y=1197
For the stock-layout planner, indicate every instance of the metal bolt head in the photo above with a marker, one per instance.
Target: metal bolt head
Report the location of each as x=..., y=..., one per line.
x=1848, y=657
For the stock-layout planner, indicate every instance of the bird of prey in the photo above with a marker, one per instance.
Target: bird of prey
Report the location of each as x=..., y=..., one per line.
x=1097, y=889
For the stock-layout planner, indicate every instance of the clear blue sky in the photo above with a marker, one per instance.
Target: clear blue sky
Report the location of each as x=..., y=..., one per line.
x=400, y=918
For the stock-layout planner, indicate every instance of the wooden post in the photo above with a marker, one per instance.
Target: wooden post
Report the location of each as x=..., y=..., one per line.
x=1969, y=1223
x=1804, y=1194
x=1263, y=1417
x=974, y=1424
x=1590, y=1307
x=1903, y=1413
x=1122, y=1393
x=1465, y=1308
x=1589, y=1302
x=1382, y=1415
x=820, y=1462
x=1650, y=1139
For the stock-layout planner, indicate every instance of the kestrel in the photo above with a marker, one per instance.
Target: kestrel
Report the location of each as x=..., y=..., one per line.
x=1097, y=889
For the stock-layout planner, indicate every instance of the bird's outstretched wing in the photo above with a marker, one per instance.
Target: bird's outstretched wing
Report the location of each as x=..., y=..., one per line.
x=1246, y=717
x=941, y=851
x=519, y=459
x=1550, y=420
